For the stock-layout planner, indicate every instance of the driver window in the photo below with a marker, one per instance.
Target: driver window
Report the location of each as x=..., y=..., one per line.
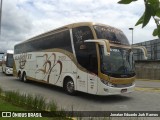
x=85, y=52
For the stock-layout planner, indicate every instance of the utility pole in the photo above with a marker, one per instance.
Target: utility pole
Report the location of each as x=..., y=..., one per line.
x=0, y=17
x=132, y=34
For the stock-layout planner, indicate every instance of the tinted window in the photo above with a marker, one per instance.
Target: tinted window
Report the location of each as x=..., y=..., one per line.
x=85, y=52
x=9, y=62
x=58, y=40
x=112, y=34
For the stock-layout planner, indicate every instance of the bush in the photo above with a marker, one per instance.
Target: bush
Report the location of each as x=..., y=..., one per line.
x=52, y=106
x=1, y=91
x=38, y=103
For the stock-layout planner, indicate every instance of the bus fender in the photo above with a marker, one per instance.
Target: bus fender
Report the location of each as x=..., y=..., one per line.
x=71, y=76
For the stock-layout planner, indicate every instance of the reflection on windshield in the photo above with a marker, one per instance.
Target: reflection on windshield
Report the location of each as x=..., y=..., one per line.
x=120, y=62
x=1, y=56
x=112, y=34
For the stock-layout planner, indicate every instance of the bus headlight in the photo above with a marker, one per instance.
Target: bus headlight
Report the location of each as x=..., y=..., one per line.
x=107, y=83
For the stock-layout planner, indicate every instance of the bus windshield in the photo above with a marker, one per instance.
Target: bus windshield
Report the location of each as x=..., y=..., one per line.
x=9, y=60
x=1, y=56
x=119, y=63
x=112, y=34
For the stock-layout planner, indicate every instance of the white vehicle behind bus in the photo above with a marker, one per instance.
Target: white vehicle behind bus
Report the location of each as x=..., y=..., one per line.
x=7, y=62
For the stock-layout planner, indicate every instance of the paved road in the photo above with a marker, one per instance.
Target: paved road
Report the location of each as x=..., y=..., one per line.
x=136, y=101
x=148, y=83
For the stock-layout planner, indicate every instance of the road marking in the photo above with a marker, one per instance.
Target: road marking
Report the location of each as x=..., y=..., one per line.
x=149, y=80
x=147, y=89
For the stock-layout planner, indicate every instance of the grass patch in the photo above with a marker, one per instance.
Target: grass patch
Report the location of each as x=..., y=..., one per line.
x=1, y=91
x=5, y=106
x=15, y=101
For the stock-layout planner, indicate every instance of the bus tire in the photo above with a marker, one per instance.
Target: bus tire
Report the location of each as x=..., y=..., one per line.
x=2, y=70
x=19, y=76
x=69, y=86
x=24, y=77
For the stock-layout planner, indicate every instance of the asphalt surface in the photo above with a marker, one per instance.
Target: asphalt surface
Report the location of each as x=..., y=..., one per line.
x=140, y=100
x=145, y=98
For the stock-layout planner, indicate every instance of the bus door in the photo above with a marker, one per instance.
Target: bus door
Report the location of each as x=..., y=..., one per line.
x=92, y=83
x=82, y=83
x=92, y=73
x=86, y=81
x=82, y=51
x=40, y=68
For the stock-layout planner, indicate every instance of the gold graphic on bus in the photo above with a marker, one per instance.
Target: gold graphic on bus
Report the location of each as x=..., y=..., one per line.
x=22, y=61
x=47, y=70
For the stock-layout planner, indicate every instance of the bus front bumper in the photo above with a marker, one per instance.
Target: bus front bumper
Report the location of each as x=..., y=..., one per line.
x=9, y=71
x=107, y=90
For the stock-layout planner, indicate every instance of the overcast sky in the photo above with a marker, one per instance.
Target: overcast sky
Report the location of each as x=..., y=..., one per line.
x=23, y=19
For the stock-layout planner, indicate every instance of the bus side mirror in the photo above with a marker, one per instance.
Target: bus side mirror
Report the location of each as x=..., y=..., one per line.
x=104, y=43
x=107, y=47
x=144, y=50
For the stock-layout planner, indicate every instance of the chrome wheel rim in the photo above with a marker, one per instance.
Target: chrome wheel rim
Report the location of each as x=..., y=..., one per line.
x=70, y=86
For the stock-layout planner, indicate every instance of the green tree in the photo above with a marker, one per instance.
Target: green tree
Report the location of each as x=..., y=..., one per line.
x=152, y=10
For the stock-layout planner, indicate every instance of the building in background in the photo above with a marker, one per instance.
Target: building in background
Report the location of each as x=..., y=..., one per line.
x=150, y=68
x=153, y=49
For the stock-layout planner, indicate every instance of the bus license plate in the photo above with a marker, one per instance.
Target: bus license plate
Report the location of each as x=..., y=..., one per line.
x=123, y=90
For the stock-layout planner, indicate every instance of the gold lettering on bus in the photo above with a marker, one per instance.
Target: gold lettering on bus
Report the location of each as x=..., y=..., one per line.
x=23, y=59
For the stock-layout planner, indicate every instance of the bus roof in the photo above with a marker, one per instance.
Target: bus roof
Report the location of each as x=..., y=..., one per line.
x=69, y=26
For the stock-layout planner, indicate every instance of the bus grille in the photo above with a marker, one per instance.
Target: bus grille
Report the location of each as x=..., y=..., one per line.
x=122, y=85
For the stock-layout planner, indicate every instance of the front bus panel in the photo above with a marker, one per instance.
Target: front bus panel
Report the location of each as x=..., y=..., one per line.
x=116, y=71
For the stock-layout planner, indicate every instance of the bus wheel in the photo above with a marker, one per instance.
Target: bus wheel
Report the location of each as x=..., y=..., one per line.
x=19, y=76
x=24, y=77
x=69, y=86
